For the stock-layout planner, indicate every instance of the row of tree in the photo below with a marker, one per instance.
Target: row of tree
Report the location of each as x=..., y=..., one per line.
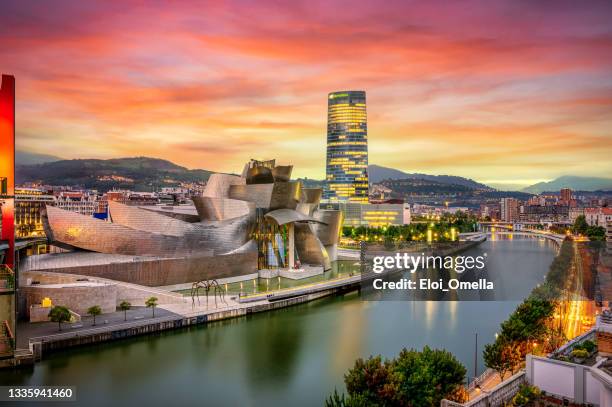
x=61, y=314
x=532, y=327
x=440, y=226
x=594, y=233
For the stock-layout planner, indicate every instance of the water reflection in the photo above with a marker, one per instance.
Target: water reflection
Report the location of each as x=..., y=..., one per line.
x=294, y=356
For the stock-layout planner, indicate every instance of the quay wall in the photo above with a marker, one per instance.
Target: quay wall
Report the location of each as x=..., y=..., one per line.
x=43, y=345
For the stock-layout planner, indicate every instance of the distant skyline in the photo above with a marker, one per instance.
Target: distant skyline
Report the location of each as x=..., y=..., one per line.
x=503, y=92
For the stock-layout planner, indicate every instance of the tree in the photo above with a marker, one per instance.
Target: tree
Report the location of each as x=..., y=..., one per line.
x=59, y=314
x=596, y=233
x=580, y=225
x=125, y=306
x=152, y=303
x=373, y=382
x=498, y=356
x=94, y=311
x=414, y=378
x=429, y=375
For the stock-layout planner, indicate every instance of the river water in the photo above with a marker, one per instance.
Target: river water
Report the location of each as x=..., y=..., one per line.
x=294, y=356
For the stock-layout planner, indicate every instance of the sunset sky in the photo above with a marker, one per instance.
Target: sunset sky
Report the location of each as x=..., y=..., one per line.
x=506, y=92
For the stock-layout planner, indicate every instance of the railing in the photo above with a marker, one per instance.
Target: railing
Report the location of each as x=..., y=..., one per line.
x=7, y=278
x=498, y=396
x=567, y=347
x=7, y=340
x=480, y=379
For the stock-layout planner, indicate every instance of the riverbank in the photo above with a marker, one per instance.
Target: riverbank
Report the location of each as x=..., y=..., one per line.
x=189, y=313
x=293, y=355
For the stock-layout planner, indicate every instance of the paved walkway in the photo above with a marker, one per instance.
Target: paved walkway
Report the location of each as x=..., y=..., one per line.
x=488, y=382
x=27, y=330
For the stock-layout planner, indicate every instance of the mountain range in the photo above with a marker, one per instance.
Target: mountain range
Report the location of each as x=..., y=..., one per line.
x=377, y=173
x=575, y=183
x=145, y=173
x=135, y=173
x=28, y=158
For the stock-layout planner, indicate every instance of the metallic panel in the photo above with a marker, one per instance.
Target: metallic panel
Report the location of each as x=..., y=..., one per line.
x=66, y=228
x=259, y=175
x=284, y=216
x=269, y=196
x=148, y=271
x=312, y=195
x=218, y=185
x=285, y=195
x=282, y=173
x=306, y=208
x=260, y=194
x=309, y=248
x=329, y=226
x=147, y=221
x=84, y=232
x=210, y=208
x=180, y=215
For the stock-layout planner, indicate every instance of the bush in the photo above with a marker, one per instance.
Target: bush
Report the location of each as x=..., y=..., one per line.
x=587, y=345
x=424, y=378
x=526, y=395
x=580, y=354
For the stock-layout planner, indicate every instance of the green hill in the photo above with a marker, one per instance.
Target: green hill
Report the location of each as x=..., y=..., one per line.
x=135, y=173
x=377, y=173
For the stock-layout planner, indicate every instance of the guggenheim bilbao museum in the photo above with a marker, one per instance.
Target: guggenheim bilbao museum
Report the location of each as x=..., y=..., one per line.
x=260, y=222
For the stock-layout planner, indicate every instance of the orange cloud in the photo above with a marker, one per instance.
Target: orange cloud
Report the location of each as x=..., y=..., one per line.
x=520, y=88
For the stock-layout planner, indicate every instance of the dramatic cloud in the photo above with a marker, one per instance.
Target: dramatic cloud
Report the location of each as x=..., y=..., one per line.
x=501, y=91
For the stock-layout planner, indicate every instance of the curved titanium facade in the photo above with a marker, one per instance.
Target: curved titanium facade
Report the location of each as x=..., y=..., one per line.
x=242, y=225
x=142, y=233
x=328, y=226
x=309, y=247
x=218, y=185
x=282, y=173
x=347, y=147
x=284, y=216
x=210, y=208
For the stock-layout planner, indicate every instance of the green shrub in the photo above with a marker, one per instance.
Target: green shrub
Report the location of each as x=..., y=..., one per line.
x=588, y=345
x=526, y=395
x=580, y=354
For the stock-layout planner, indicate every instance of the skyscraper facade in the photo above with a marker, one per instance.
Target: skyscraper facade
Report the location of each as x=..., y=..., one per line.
x=509, y=208
x=347, y=147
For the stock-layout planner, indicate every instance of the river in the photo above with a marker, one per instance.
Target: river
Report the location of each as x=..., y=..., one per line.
x=294, y=356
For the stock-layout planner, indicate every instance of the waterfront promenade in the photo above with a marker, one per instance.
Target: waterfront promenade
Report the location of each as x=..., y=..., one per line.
x=43, y=337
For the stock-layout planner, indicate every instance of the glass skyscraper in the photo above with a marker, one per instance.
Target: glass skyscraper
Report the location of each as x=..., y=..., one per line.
x=347, y=147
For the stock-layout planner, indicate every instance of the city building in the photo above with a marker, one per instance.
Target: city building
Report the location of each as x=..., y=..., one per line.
x=432, y=210
x=490, y=210
x=509, y=209
x=260, y=222
x=131, y=197
x=347, y=147
x=82, y=202
x=546, y=213
x=573, y=214
x=29, y=203
x=598, y=216
x=374, y=215
x=565, y=196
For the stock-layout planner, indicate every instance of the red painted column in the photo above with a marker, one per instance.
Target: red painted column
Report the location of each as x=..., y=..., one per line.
x=7, y=162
